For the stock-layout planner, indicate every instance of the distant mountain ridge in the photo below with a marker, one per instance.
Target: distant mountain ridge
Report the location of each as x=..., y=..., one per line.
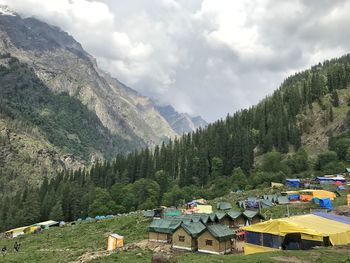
x=78, y=113
x=181, y=122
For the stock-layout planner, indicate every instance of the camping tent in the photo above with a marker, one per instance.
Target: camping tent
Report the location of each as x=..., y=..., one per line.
x=282, y=200
x=293, y=182
x=276, y=185
x=223, y=206
x=330, y=180
x=266, y=203
x=312, y=230
x=326, y=203
x=307, y=195
x=341, y=219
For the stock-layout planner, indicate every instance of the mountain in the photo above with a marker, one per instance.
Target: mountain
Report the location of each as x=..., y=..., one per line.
x=58, y=109
x=181, y=122
x=64, y=66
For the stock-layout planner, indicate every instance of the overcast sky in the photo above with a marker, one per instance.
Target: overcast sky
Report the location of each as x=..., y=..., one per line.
x=205, y=57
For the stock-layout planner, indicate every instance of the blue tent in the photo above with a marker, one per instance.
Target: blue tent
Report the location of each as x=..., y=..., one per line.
x=293, y=182
x=293, y=197
x=326, y=203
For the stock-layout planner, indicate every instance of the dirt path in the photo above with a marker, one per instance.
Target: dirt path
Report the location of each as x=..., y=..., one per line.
x=88, y=256
x=142, y=245
x=289, y=259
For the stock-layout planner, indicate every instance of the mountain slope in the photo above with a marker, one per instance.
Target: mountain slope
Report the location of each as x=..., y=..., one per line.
x=181, y=122
x=63, y=66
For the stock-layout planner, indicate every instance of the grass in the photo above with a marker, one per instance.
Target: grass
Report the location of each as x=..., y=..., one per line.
x=318, y=255
x=68, y=243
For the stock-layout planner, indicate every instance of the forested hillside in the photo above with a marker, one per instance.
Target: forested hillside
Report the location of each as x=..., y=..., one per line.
x=64, y=123
x=209, y=162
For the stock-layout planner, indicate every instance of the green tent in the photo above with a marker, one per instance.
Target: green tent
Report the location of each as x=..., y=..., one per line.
x=169, y=212
x=148, y=213
x=282, y=200
x=223, y=206
x=220, y=232
x=265, y=203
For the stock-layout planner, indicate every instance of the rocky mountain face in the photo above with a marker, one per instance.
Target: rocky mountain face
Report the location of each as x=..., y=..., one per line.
x=62, y=64
x=58, y=109
x=181, y=122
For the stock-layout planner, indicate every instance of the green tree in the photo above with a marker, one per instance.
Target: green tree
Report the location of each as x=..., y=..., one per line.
x=239, y=178
x=57, y=212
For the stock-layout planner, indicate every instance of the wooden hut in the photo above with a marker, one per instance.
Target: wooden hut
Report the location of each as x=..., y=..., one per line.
x=252, y=217
x=216, y=239
x=161, y=230
x=236, y=219
x=185, y=237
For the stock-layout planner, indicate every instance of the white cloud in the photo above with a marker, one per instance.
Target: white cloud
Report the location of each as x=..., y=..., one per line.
x=207, y=57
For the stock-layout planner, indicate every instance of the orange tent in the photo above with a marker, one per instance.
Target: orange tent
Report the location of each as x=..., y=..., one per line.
x=307, y=195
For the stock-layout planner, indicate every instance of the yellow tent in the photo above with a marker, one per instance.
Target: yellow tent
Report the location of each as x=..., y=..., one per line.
x=276, y=185
x=16, y=232
x=114, y=241
x=307, y=195
x=204, y=209
x=310, y=227
x=31, y=229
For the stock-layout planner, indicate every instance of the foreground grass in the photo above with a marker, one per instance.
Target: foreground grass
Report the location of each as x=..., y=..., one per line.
x=318, y=255
x=68, y=243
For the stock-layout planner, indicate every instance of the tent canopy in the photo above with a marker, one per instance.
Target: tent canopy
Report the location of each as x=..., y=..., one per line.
x=293, y=182
x=318, y=193
x=311, y=227
x=282, y=200
x=326, y=203
x=341, y=219
x=223, y=206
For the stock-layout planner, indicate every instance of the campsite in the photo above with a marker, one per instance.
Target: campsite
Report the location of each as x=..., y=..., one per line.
x=86, y=240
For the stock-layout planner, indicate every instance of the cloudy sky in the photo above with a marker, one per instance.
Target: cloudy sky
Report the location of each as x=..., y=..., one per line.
x=206, y=57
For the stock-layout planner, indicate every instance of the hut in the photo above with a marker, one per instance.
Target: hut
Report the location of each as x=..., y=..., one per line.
x=185, y=237
x=222, y=218
x=161, y=230
x=114, y=241
x=252, y=217
x=216, y=239
x=237, y=219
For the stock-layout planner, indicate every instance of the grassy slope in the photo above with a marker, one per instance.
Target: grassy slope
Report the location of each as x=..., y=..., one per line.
x=69, y=243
